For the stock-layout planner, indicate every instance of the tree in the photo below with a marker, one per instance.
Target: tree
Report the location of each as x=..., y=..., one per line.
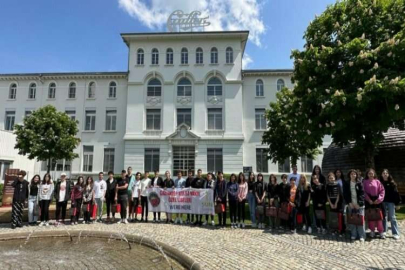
x=349, y=82
x=47, y=135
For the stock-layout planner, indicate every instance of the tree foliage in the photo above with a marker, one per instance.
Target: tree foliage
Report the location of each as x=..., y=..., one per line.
x=47, y=135
x=349, y=81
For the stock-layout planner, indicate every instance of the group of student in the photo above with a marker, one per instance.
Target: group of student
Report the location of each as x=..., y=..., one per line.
x=285, y=205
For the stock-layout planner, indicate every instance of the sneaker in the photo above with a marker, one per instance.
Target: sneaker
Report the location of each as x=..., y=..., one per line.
x=353, y=238
x=158, y=221
x=309, y=230
x=41, y=224
x=243, y=225
x=154, y=220
x=383, y=236
x=181, y=221
x=323, y=231
x=293, y=231
x=396, y=236
x=362, y=240
x=253, y=225
x=205, y=223
x=304, y=228
x=372, y=234
x=119, y=222
x=318, y=230
x=125, y=221
x=212, y=223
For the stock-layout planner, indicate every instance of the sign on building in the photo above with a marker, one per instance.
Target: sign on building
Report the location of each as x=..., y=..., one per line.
x=179, y=21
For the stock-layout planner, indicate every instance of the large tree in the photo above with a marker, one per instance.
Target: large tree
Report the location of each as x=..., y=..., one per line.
x=47, y=135
x=349, y=82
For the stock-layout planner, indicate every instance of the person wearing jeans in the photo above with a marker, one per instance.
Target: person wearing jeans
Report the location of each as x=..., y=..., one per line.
x=99, y=189
x=33, y=208
x=121, y=196
x=353, y=193
x=251, y=197
x=62, y=196
x=46, y=189
x=391, y=202
x=232, y=187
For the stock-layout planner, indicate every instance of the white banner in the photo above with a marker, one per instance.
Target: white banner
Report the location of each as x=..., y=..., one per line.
x=178, y=200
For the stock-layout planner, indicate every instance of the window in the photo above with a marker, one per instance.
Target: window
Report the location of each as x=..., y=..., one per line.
x=72, y=90
x=261, y=160
x=88, y=158
x=259, y=88
x=10, y=120
x=229, y=55
x=90, y=121
x=284, y=167
x=214, y=160
x=58, y=165
x=112, y=90
x=155, y=57
x=27, y=113
x=215, y=119
x=184, y=88
x=306, y=164
x=214, y=87
x=183, y=159
x=152, y=159
x=111, y=120
x=169, y=56
x=154, y=88
x=109, y=154
x=153, y=119
x=52, y=90
x=214, y=56
x=4, y=166
x=139, y=57
x=280, y=84
x=184, y=116
x=260, y=117
x=199, y=56
x=71, y=114
x=32, y=91
x=92, y=90
x=184, y=56
x=12, y=94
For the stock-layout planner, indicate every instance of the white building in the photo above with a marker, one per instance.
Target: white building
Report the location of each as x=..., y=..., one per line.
x=184, y=103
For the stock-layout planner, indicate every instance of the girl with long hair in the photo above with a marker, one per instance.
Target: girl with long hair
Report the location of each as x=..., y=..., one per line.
x=260, y=192
x=168, y=183
x=319, y=203
x=374, y=193
x=318, y=172
x=252, y=198
x=391, y=202
x=45, y=197
x=232, y=188
x=334, y=196
x=87, y=200
x=302, y=201
x=272, y=194
x=242, y=195
x=76, y=200
x=33, y=205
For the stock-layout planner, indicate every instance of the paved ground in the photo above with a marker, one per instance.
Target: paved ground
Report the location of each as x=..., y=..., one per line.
x=227, y=248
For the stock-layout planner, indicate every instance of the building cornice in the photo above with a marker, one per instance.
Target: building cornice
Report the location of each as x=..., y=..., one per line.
x=64, y=75
x=267, y=72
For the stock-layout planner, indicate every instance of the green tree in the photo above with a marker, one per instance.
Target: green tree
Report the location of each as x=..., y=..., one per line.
x=47, y=135
x=349, y=82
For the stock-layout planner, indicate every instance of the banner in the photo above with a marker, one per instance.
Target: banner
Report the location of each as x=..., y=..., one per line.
x=178, y=200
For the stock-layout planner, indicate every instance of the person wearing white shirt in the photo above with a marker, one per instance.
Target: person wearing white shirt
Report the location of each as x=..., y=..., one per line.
x=294, y=174
x=145, y=184
x=99, y=189
x=136, y=196
x=157, y=182
x=180, y=182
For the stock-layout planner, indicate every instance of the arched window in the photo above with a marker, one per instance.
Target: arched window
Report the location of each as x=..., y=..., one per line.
x=199, y=56
x=72, y=90
x=184, y=56
x=154, y=88
x=112, y=90
x=259, y=88
x=155, y=56
x=214, y=56
x=12, y=94
x=214, y=87
x=184, y=88
x=140, y=57
x=92, y=90
x=32, y=91
x=52, y=90
x=229, y=55
x=280, y=84
x=169, y=56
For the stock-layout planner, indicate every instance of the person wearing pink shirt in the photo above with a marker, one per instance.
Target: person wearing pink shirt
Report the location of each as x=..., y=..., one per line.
x=374, y=196
x=242, y=194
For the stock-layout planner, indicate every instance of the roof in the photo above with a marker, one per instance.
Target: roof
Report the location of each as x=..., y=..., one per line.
x=61, y=75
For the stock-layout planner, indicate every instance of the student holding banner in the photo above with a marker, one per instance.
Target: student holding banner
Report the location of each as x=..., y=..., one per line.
x=210, y=184
x=180, y=182
x=168, y=183
x=198, y=183
x=220, y=198
x=188, y=184
x=157, y=182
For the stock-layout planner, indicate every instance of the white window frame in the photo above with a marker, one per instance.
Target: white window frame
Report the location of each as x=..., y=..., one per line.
x=140, y=57
x=9, y=120
x=88, y=158
x=112, y=90
x=156, y=116
x=184, y=89
x=154, y=154
x=111, y=120
x=71, y=113
x=199, y=56
x=154, y=90
x=259, y=88
x=184, y=56
x=229, y=55
x=155, y=56
x=52, y=90
x=218, y=87
x=91, y=90
x=216, y=113
x=32, y=91
x=109, y=159
x=214, y=55
x=72, y=90
x=90, y=120
x=214, y=154
x=12, y=94
x=261, y=123
x=169, y=56
x=280, y=84
x=263, y=160
x=184, y=112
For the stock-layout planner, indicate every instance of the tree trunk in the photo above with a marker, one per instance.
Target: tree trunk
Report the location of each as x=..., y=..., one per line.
x=369, y=150
x=49, y=165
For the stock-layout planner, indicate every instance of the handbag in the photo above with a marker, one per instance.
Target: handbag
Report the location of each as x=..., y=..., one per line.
x=118, y=208
x=260, y=210
x=286, y=207
x=374, y=214
x=283, y=215
x=335, y=221
x=299, y=218
x=320, y=214
x=355, y=219
x=139, y=209
x=94, y=211
x=271, y=211
x=219, y=208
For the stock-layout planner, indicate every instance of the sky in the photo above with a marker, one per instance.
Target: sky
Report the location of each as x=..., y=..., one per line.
x=84, y=35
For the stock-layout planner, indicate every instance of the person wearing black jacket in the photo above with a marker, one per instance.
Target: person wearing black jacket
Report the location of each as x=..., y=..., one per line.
x=220, y=198
x=272, y=194
x=20, y=186
x=189, y=182
x=157, y=182
x=62, y=196
x=353, y=193
x=283, y=190
x=168, y=183
x=318, y=172
x=110, y=196
x=391, y=202
x=319, y=204
x=334, y=196
x=198, y=183
x=302, y=201
x=260, y=193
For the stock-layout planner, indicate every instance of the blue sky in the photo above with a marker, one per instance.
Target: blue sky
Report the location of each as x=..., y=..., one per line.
x=84, y=35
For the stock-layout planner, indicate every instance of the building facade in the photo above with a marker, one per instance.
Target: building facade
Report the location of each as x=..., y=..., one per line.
x=184, y=103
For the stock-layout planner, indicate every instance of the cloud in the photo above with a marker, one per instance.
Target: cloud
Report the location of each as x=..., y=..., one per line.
x=246, y=61
x=224, y=14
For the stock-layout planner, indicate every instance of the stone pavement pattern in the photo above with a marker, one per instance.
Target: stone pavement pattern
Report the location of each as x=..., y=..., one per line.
x=227, y=248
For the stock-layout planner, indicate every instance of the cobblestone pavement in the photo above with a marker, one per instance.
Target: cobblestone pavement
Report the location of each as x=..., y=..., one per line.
x=226, y=248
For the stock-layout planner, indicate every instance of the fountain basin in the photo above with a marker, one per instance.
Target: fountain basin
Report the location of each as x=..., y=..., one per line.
x=87, y=250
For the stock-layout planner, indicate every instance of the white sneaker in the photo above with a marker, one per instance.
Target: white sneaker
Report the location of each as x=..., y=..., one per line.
x=212, y=223
x=119, y=221
x=243, y=225
x=294, y=231
x=304, y=228
x=309, y=230
x=382, y=235
x=319, y=230
x=396, y=236
x=362, y=240
x=253, y=225
x=372, y=234
x=205, y=223
x=181, y=221
x=84, y=222
x=41, y=224
x=125, y=221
